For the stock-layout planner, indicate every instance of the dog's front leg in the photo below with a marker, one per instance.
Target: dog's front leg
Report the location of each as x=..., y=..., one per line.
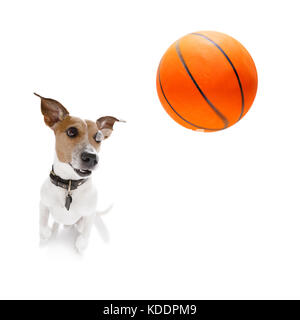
x=84, y=229
x=45, y=230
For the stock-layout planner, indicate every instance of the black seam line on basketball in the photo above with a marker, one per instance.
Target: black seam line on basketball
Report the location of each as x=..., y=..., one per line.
x=192, y=124
x=218, y=113
x=233, y=67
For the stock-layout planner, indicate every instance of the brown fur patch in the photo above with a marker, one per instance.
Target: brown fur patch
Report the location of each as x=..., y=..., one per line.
x=92, y=130
x=64, y=144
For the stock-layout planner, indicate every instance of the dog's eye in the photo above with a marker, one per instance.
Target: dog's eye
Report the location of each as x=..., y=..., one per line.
x=72, y=132
x=98, y=136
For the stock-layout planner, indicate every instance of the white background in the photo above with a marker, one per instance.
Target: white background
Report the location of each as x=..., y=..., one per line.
x=195, y=215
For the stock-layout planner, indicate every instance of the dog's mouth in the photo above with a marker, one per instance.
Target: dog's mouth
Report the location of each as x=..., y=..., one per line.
x=82, y=172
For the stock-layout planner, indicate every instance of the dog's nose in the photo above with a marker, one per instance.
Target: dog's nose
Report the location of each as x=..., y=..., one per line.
x=90, y=159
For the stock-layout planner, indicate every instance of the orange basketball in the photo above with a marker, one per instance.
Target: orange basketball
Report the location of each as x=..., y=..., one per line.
x=206, y=81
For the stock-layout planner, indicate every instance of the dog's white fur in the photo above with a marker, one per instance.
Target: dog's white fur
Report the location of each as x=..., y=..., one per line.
x=82, y=211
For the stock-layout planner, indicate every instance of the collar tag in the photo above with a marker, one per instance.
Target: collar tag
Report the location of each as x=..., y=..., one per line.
x=68, y=202
x=69, y=185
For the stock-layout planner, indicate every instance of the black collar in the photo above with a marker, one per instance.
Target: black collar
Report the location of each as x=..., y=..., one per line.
x=66, y=184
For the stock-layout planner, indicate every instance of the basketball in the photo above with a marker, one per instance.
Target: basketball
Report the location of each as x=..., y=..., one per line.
x=206, y=81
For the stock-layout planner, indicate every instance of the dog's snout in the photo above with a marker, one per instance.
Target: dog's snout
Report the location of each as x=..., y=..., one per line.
x=90, y=159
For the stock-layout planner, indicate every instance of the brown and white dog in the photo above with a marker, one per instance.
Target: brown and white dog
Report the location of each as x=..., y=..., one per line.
x=68, y=194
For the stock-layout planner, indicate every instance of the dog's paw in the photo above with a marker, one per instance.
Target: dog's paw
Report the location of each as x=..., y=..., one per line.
x=45, y=233
x=81, y=243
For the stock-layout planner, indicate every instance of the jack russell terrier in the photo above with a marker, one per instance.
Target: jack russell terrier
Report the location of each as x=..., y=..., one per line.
x=68, y=193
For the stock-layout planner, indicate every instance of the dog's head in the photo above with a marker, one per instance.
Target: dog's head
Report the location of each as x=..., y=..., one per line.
x=77, y=141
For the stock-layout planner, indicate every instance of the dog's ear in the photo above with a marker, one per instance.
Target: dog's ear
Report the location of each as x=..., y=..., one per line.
x=106, y=124
x=52, y=110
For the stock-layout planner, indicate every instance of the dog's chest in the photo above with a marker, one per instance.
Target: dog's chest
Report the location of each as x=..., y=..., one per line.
x=84, y=201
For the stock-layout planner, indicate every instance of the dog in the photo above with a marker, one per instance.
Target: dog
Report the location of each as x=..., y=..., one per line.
x=68, y=194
